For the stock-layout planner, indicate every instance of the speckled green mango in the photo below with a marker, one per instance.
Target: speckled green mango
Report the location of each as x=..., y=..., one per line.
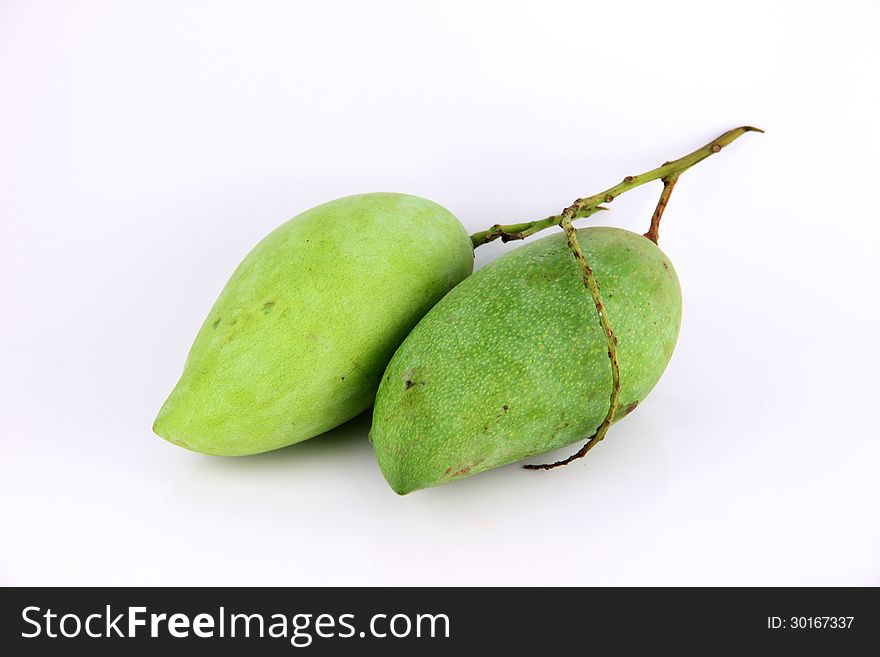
x=513, y=362
x=298, y=339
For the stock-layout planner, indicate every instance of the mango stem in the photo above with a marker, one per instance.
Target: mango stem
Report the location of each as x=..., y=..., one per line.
x=587, y=206
x=653, y=233
x=668, y=173
x=610, y=340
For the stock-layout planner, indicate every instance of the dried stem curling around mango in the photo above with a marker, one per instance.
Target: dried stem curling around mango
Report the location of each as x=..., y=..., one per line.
x=668, y=173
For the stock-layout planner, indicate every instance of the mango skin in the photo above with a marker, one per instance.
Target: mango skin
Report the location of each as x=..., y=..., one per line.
x=298, y=339
x=513, y=362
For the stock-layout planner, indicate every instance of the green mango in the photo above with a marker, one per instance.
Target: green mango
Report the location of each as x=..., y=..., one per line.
x=513, y=362
x=298, y=339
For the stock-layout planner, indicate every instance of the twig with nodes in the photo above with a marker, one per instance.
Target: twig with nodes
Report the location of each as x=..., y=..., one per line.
x=668, y=173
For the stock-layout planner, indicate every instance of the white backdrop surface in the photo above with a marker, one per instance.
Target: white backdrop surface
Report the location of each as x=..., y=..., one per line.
x=145, y=147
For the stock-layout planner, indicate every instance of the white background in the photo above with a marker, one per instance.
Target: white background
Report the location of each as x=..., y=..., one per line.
x=145, y=147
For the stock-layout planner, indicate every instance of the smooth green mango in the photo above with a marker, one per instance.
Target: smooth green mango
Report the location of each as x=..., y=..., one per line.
x=513, y=362
x=298, y=339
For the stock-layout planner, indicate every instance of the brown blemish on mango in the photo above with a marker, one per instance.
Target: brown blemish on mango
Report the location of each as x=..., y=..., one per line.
x=623, y=411
x=463, y=470
x=409, y=380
